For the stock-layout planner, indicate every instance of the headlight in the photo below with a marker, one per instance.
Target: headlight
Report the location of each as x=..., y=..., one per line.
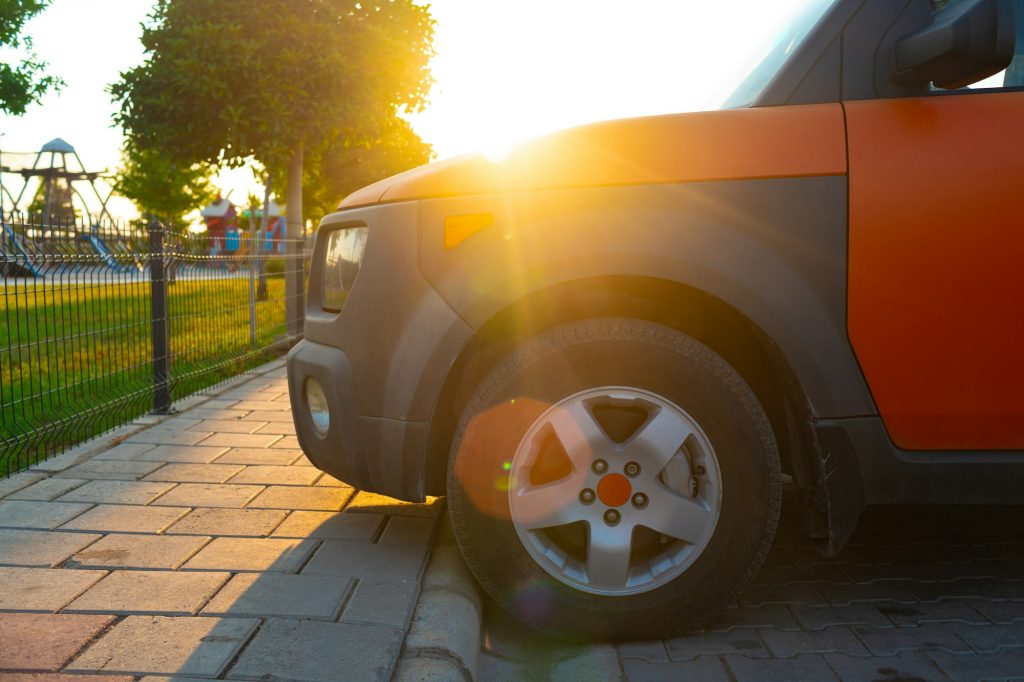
x=316, y=401
x=342, y=259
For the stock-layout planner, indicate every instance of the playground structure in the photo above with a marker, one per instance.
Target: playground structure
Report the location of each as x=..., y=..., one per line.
x=51, y=205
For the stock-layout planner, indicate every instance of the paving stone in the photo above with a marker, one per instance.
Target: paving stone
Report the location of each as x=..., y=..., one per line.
x=125, y=451
x=426, y=669
x=117, y=492
x=281, y=595
x=45, y=642
x=187, y=454
x=597, y=663
x=277, y=475
x=204, y=412
x=37, y=515
x=42, y=589
x=816, y=573
x=982, y=588
x=228, y=426
x=333, y=525
x=840, y=595
x=137, y=551
x=178, y=435
x=124, y=518
x=46, y=489
x=989, y=639
x=281, y=650
x=948, y=611
x=161, y=645
x=702, y=668
x=889, y=642
x=109, y=469
x=382, y=602
x=770, y=615
x=61, y=677
x=231, y=522
x=801, y=593
x=805, y=668
x=259, y=456
x=1002, y=612
x=330, y=481
x=271, y=416
x=787, y=643
x=264, y=406
x=1003, y=666
x=252, y=554
x=289, y=442
x=362, y=559
x=817, y=617
x=165, y=593
x=19, y=481
x=372, y=502
x=301, y=497
x=739, y=641
x=194, y=473
x=40, y=548
x=653, y=651
x=906, y=667
x=208, y=495
x=407, y=530
x=281, y=428
x=242, y=440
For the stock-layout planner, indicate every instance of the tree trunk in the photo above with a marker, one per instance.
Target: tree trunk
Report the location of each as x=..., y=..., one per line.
x=294, y=284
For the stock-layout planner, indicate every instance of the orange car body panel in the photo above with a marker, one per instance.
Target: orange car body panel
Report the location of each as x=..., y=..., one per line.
x=718, y=145
x=936, y=266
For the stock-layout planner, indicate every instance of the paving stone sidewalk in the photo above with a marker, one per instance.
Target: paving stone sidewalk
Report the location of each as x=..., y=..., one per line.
x=920, y=594
x=206, y=546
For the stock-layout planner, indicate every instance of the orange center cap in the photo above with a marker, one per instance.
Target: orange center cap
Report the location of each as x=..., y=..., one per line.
x=614, y=490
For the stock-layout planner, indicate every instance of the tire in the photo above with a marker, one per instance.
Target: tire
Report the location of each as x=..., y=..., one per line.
x=607, y=564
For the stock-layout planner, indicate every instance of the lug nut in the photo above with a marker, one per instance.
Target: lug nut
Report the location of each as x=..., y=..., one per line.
x=699, y=470
x=632, y=469
x=639, y=500
x=587, y=496
x=599, y=466
x=611, y=517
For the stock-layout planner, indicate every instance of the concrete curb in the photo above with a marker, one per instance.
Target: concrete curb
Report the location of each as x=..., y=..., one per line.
x=443, y=642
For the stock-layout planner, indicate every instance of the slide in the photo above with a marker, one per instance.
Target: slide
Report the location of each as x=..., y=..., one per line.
x=21, y=266
x=108, y=257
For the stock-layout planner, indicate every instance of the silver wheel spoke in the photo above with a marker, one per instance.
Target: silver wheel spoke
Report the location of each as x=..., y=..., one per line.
x=549, y=505
x=659, y=439
x=582, y=438
x=608, y=555
x=676, y=516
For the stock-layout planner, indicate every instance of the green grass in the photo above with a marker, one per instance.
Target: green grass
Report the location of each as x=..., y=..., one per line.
x=75, y=359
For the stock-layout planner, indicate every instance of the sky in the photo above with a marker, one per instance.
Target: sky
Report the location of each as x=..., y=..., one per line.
x=504, y=70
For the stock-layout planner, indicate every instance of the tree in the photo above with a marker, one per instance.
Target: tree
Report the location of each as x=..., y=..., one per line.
x=231, y=80
x=22, y=82
x=160, y=185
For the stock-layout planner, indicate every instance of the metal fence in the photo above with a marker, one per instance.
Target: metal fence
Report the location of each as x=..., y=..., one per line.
x=102, y=323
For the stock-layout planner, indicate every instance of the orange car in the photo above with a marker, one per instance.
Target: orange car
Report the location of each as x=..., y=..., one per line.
x=616, y=348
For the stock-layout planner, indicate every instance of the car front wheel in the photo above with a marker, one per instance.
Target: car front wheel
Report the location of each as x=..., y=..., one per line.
x=614, y=478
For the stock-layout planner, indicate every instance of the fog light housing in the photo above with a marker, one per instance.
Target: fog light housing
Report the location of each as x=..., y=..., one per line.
x=316, y=403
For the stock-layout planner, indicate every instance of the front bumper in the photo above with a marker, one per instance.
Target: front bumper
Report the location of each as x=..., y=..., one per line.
x=382, y=361
x=381, y=455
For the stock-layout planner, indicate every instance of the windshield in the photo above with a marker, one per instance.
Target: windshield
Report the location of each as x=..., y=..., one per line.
x=804, y=14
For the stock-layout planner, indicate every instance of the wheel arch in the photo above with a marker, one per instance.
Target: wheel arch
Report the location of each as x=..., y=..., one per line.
x=687, y=309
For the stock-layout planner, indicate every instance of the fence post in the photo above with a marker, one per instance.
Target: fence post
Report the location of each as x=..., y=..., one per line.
x=158, y=316
x=294, y=280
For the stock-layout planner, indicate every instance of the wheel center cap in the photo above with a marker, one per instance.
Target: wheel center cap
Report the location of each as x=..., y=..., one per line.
x=614, y=490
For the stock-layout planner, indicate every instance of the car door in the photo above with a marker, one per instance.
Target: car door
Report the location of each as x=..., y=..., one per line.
x=936, y=262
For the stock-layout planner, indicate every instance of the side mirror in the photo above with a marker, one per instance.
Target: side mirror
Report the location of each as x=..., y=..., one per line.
x=965, y=43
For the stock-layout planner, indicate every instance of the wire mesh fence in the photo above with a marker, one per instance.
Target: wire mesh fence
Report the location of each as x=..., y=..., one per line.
x=102, y=323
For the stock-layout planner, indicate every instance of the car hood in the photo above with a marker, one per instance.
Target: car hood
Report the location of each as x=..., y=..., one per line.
x=717, y=145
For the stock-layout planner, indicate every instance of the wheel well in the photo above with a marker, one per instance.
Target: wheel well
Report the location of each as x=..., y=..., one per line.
x=706, y=318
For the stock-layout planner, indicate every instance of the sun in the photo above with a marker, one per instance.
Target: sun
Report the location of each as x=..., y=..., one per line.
x=508, y=71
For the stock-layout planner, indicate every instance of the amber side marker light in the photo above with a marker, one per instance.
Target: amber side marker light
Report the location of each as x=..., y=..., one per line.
x=459, y=228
